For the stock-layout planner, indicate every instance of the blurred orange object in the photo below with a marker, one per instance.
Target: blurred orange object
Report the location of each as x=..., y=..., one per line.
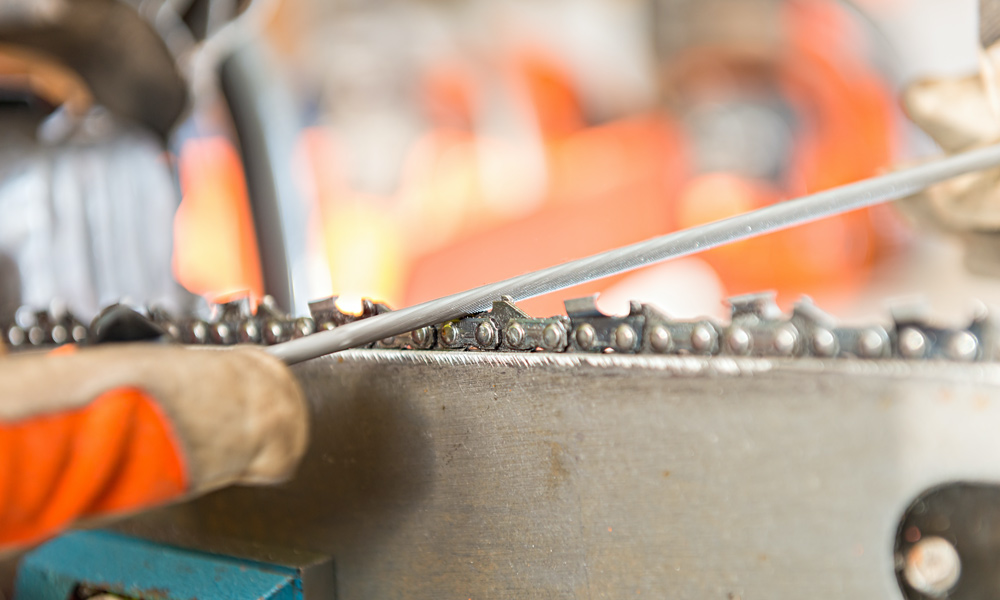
x=630, y=180
x=475, y=240
x=454, y=223
x=835, y=251
x=57, y=470
x=607, y=187
x=215, y=247
x=846, y=135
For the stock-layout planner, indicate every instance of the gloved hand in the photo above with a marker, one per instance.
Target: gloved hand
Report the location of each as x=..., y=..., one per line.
x=961, y=113
x=115, y=429
x=957, y=114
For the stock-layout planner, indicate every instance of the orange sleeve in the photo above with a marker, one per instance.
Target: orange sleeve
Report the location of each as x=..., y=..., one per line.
x=117, y=454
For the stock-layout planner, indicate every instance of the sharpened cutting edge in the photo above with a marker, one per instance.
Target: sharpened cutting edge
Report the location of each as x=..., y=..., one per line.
x=783, y=215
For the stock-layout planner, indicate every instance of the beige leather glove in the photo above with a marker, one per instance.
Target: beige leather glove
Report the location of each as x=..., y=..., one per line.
x=95, y=432
x=960, y=113
x=238, y=413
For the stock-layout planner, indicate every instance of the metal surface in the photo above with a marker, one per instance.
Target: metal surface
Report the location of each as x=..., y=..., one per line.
x=493, y=475
x=772, y=218
x=91, y=564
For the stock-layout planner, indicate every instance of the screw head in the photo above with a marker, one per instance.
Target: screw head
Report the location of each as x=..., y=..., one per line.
x=624, y=338
x=585, y=336
x=659, y=338
x=932, y=566
x=554, y=336
x=514, y=335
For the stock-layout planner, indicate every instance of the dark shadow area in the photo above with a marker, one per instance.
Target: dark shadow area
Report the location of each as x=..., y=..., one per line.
x=10, y=288
x=966, y=516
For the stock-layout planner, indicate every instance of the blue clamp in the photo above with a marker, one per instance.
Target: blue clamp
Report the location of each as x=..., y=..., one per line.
x=86, y=563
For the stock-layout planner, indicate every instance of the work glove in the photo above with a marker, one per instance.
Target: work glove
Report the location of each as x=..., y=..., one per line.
x=962, y=113
x=95, y=432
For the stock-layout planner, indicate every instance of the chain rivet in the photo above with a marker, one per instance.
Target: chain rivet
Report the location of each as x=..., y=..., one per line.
x=449, y=334
x=554, y=336
x=912, y=343
x=962, y=345
x=585, y=336
x=659, y=338
x=784, y=340
x=486, y=334
x=738, y=341
x=871, y=344
x=824, y=343
x=624, y=338
x=514, y=335
x=702, y=338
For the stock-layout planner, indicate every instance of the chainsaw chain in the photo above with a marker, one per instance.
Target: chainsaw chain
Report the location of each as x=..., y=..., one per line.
x=757, y=328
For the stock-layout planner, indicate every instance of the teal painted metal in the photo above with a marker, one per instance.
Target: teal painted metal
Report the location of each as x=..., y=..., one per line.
x=144, y=570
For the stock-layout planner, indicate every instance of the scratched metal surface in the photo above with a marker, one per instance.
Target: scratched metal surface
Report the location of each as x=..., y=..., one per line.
x=462, y=475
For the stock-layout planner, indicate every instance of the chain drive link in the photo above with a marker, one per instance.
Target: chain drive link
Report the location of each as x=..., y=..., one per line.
x=757, y=327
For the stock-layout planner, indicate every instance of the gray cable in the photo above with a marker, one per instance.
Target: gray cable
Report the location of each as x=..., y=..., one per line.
x=696, y=239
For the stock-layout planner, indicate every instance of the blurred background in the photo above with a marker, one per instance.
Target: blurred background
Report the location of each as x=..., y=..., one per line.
x=402, y=150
